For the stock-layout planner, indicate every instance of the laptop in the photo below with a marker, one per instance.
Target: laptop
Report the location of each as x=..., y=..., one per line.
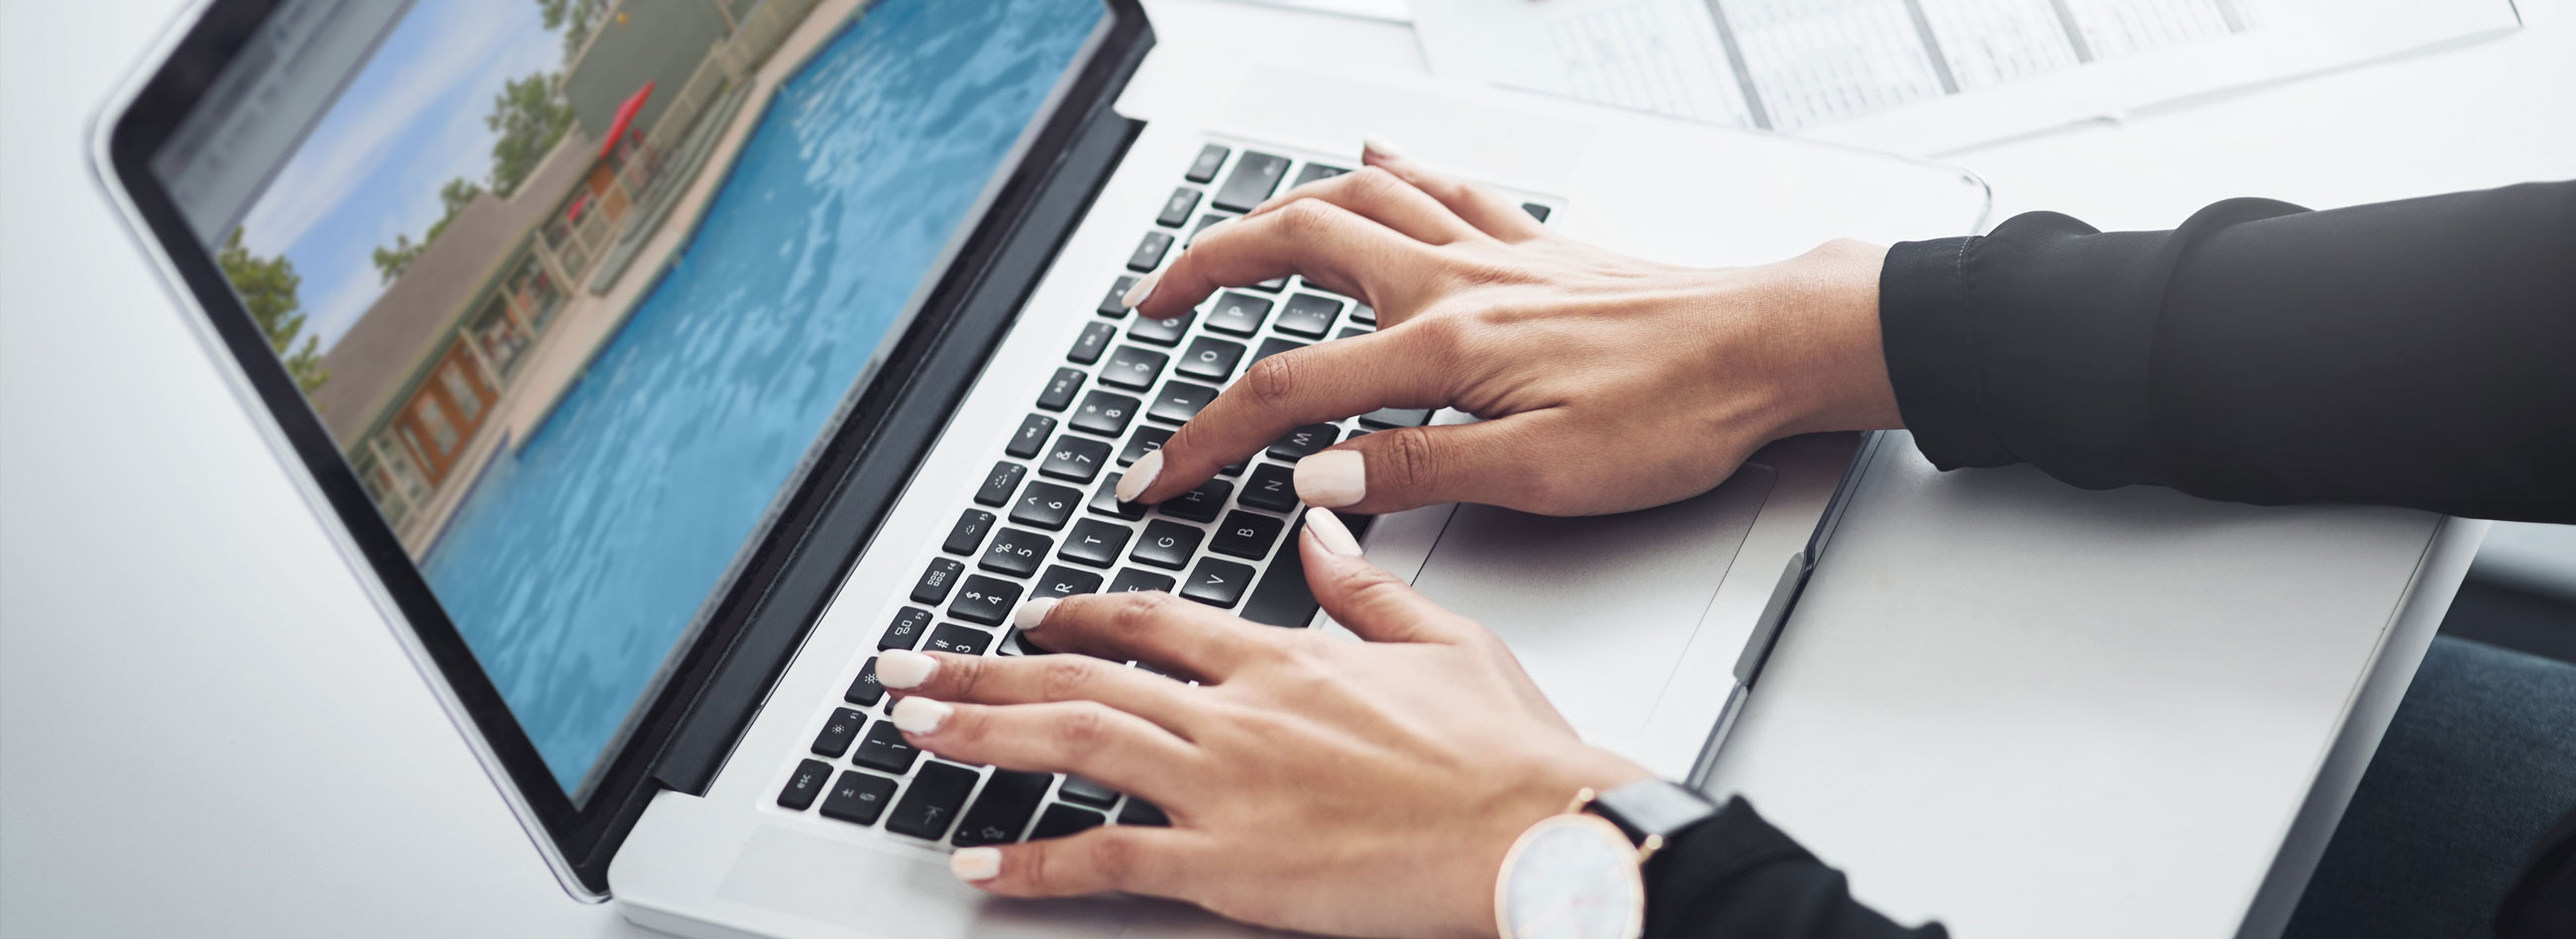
x=657, y=364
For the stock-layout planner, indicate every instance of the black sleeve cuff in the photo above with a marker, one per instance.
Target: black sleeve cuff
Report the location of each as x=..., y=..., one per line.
x=1735, y=875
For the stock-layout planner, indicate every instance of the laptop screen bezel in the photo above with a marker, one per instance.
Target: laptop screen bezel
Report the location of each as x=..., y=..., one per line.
x=578, y=838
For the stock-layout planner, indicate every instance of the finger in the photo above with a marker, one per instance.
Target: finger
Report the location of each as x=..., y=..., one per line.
x=1037, y=679
x=1508, y=461
x=1367, y=600
x=1152, y=627
x=1136, y=859
x=1120, y=750
x=1324, y=243
x=1381, y=197
x=1322, y=382
x=1479, y=206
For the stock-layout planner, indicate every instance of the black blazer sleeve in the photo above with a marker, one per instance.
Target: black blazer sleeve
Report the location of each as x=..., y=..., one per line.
x=2418, y=353
x=1735, y=875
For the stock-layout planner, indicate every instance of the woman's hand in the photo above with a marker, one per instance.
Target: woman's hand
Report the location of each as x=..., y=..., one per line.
x=1313, y=783
x=1606, y=383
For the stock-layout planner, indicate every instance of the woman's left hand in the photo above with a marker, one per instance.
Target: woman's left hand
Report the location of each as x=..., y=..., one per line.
x=1313, y=784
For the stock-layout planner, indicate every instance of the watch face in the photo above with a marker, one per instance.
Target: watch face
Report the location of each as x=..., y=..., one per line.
x=1572, y=877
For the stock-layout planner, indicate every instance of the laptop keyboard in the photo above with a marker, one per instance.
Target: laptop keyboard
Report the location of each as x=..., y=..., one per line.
x=1045, y=522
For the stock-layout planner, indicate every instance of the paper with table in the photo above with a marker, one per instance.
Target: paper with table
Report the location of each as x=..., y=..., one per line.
x=1921, y=76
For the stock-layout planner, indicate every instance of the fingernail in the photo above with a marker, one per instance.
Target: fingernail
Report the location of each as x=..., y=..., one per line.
x=904, y=668
x=1138, y=291
x=1027, y=618
x=1373, y=143
x=1333, y=478
x=1328, y=528
x=920, y=715
x=1140, y=476
x=975, y=864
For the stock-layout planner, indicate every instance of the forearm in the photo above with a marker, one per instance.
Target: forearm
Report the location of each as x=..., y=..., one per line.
x=1735, y=875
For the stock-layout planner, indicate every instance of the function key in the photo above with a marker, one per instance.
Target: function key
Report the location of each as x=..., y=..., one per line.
x=962, y=640
x=837, y=733
x=1166, y=544
x=1238, y=313
x=1384, y=418
x=1094, y=339
x=1133, y=368
x=1032, y=436
x=1304, y=441
x=968, y=534
x=1203, y=169
x=1132, y=580
x=1149, y=252
x=1218, y=583
x=1255, y=177
x=1059, y=390
x=1045, y=505
x=1210, y=359
x=1145, y=440
x=1199, y=504
x=1061, y=820
x=865, y=690
x=981, y=600
x=805, y=784
x=1001, y=482
x=1141, y=812
x=910, y=624
x=1105, y=500
x=1095, y=542
x=937, y=580
x=1179, y=400
x=1104, y=413
x=1016, y=553
x=1082, y=789
x=1003, y=809
x=1075, y=458
x=930, y=804
x=858, y=798
x=1309, y=315
x=1114, y=304
x=1060, y=582
x=883, y=749
x=1177, y=209
x=1314, y=171
x=1272, y=487
x=1162, y=332
x=1246, y=535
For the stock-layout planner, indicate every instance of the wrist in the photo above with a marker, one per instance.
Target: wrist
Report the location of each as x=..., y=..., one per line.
x=1834, y=367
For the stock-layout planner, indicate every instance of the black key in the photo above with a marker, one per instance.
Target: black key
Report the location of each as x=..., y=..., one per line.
x=1315, y=171
x=961, y=640
x=1162, y=332
x=1309, y=315
x=1281, y=599
x=1200, y=504
x=1384, y=418
x=1083, y=790
x=1132, y=580
x=1272, y=487
x=1230, y=469
x=1364, y=313
x=1535, y=210
x=1177, y=209
x=1145, y=440
x=1238, y=313
x=1133, y=368
x=1349, y=331
x=1114, y=305
x=968, y=533
x=837, y=733
x=1046, y=505
x=1095, y=542
x=1061, y=582
x=1270, y=347
x=1061, y=820
x=936, y=581
x=1105, y=414
x=1059, y=390
x=1254, y=178
x=1210, y=359
x=1246, y=535
x=1179, y=400
x=1149, y=252
x=1104, y=500
x=865, y=691
x=1016, y=553
x=982, y=600
x=930, y=804
x=1032, y=436
x=883, y=749
x=998, y=486
x=1206, y=222
x=1166, y=544
x=1304, y=441
x=1094, y=340
x=1003, y=809
x=1218, y=583
x=1140, y=812
x=1076, y=458
x=858, y=798
x=1359, y=432
x=1203, y=169
x=805, y=785
x=906, y=630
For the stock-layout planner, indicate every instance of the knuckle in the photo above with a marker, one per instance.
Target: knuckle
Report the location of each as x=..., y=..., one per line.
x=1137, y=611
x=1374, y=181
x=1113, y=859
x=1081, y=728
x=1273, y=381
x=1064, y=677
x=1409, y=457
x=1305, y=218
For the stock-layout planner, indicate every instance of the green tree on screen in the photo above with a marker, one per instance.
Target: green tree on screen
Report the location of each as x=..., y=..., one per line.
x=453, y=197
x=529, y=117
x=574, y=17
x=267, y=287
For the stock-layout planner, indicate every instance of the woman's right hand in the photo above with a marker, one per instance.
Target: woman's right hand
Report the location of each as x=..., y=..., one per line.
x=1606, y=383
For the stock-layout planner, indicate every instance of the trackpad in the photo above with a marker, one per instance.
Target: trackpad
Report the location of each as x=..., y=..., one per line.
x=1598, y=608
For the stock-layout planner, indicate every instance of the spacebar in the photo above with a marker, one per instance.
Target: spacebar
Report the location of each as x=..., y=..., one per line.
x=1281, y=599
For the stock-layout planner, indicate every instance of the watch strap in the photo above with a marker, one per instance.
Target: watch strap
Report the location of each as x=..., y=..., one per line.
x=1651, y=811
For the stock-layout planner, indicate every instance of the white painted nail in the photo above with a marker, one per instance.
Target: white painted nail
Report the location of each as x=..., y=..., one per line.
x=1140, y=476
x=1029, y=616
x=1328, y=528
x=904, y=668
x=920, y=715
x=1373, y=143
x=1332, y=479
x=1137, y=292
x=975, y=864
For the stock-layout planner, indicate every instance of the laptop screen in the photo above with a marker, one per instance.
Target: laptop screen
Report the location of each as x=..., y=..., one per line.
x=576, y=286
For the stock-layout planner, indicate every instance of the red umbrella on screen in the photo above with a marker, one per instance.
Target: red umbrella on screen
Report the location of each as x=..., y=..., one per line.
x=625, y=116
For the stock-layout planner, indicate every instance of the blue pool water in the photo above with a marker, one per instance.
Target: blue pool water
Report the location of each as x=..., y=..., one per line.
x=578, y=563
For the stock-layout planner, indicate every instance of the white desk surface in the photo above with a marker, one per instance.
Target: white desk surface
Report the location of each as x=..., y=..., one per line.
x=205, y=729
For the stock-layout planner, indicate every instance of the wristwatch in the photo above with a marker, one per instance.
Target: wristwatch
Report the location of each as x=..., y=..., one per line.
x=1581, y=875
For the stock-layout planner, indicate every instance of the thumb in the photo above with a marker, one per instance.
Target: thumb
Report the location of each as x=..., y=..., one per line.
x=1500, y=462
x=1367, y=600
